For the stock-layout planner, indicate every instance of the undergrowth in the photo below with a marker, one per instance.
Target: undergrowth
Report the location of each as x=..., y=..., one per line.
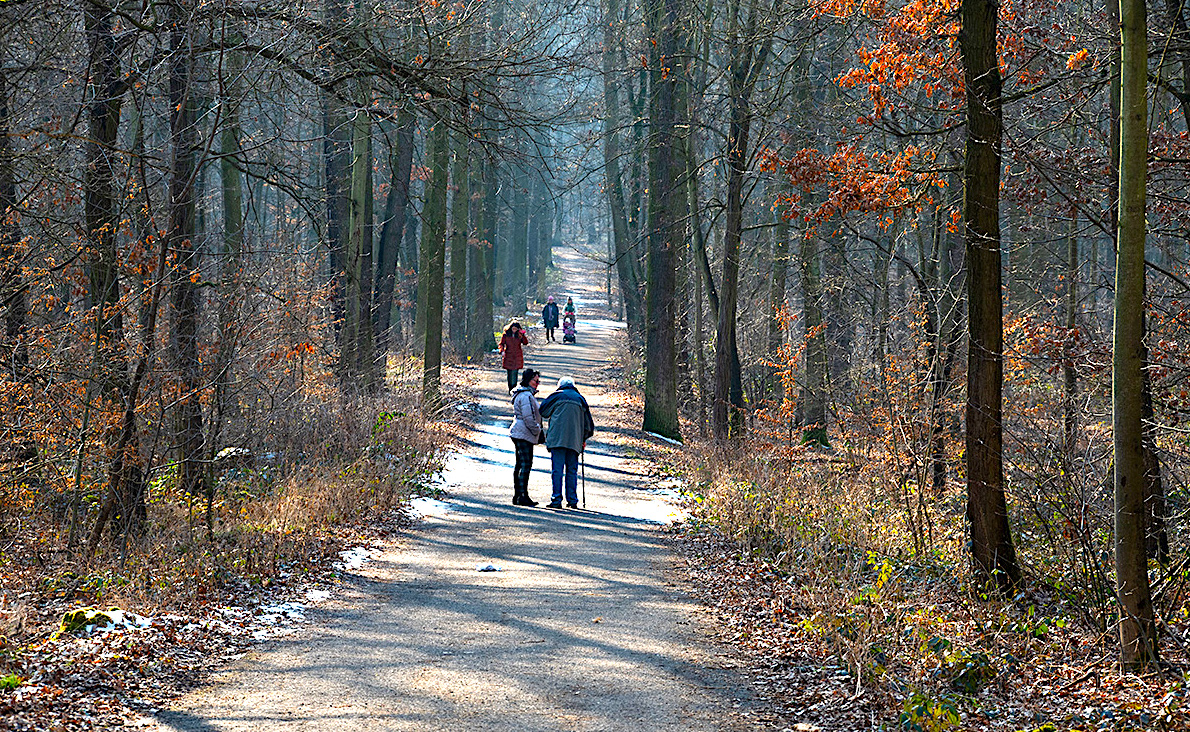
x=280, y=505
x=881, y=585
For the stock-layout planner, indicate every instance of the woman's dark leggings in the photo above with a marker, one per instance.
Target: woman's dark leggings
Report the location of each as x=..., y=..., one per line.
x=524, y=466
x=512, y=378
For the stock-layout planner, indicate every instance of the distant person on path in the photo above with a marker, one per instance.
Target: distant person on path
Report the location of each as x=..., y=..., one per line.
x=570, y=306
x=549, y=318
x=526, y=432
x=512, y=346
x=568, y=332
x=570, y=428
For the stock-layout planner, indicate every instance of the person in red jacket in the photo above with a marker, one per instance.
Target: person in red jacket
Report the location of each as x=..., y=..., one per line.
x=512, y=346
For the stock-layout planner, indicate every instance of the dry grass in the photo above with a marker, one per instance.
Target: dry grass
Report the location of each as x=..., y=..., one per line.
x=815, y=562
x=325, y=468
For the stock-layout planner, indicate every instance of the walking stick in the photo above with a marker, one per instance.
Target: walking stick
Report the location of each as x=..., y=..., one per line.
x=583, y=457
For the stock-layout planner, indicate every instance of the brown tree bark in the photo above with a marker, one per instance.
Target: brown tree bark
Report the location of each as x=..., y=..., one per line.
x=1138, y=631
x=460, y=231
x=124, y=495
x=813, y=397
x=357, y=357
x=993, y=555
x=624, y=248
x=480, y=332
x=400, y=163
x=336, y=159
x=186, y=304
x=749, y=49
x=433, y=265
x=666, y=201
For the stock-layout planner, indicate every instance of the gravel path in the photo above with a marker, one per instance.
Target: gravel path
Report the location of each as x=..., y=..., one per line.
x=579, y=630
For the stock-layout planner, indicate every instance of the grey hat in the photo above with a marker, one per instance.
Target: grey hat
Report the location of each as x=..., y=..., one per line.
x=565, y=381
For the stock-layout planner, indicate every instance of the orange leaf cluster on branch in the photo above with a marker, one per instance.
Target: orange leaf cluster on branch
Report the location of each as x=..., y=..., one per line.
x=915, y=43
x=854, y=180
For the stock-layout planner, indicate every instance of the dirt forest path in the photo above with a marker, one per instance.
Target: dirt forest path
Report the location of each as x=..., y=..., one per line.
x=581, y=629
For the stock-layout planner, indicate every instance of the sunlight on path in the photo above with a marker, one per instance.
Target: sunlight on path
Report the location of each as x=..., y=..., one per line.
x=489, y=616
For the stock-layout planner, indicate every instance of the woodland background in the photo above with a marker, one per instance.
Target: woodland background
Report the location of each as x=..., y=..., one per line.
x=916, y=271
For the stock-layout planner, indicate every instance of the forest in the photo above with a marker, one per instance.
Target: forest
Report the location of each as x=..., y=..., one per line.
x=908, y=278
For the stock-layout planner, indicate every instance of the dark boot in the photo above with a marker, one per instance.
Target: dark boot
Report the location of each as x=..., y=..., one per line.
x=521, y=498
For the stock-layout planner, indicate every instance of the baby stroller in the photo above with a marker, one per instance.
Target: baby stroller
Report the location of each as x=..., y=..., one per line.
x=568, y=328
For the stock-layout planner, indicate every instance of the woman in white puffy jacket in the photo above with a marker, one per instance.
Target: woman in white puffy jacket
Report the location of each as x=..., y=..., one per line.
x=526, y=432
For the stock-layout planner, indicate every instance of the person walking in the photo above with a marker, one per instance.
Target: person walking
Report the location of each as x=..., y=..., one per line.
x=549, y=318
x=512, y=345
x=570, y=427
x=526, y=432
x=570, y=306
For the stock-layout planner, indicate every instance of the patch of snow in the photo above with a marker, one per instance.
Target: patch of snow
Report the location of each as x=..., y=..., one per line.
x=601, y=323
x=275, y=632
x=285, y=611
x=318, y=595
x=355, y=557
x=422, y=506
x=121, y=620
x=667, y=493
x=664, y=439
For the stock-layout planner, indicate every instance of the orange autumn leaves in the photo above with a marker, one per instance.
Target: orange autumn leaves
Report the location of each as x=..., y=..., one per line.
x=908, y=56
x=915, y=44
x=858, y=180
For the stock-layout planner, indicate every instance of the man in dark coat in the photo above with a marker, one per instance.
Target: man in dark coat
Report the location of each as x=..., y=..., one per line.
x=549, y=318
x=570, y=428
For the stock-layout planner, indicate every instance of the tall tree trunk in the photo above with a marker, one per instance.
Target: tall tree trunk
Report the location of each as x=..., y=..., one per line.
x=535, y=195
x=433, y=264
x=665, y=208
x=777, y=305
x=125, y=488
x=497, y=252
x=12, y=286
x=1138, y=632
x=400, y=165
x=480, y=331
x=813, y=398
x=613, y=180
x=460, y=231
x=357, y=355
x=993, y=554
x=481, y=238
x=1069, y=375
x=949, y=334
x=336, y=153
x=519, y=256
x=749, y=54
x=231, y=258
x=694, y=202
x=185, y=296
